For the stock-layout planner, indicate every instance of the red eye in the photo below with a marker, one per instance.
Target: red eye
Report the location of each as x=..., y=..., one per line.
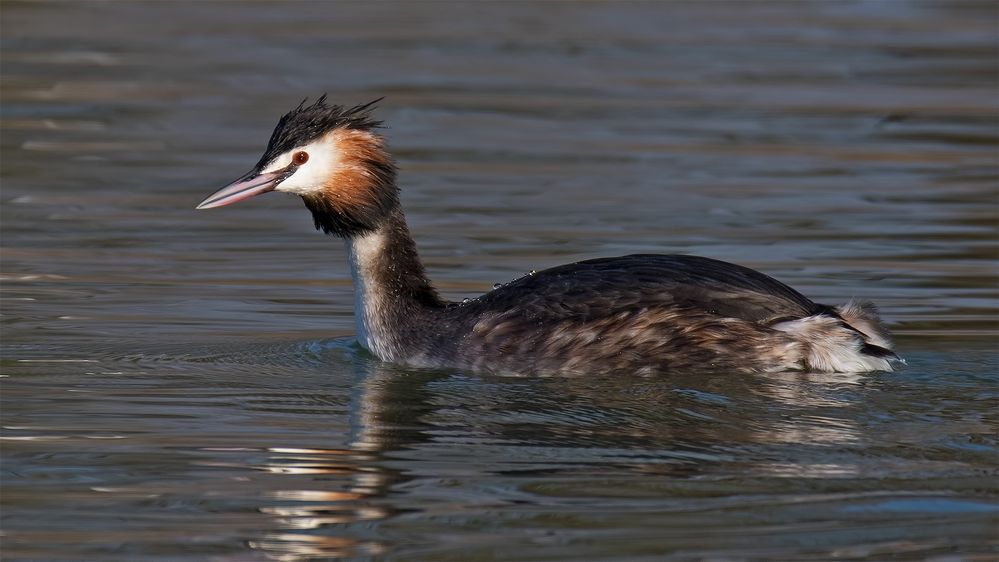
x=300, y=158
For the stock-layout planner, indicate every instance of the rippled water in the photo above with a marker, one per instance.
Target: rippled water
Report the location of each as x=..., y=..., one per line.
x=183, y=385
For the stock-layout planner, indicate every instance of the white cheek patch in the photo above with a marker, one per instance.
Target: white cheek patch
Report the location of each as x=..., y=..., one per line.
x=312, y=176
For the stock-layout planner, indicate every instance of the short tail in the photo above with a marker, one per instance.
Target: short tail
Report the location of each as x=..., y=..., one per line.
x=849, y=338
x=863, y=317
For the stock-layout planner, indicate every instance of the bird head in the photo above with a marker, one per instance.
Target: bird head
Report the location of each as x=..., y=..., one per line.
x=331, y=156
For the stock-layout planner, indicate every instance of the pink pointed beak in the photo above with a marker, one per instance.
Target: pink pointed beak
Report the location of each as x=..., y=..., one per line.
x=244, y=188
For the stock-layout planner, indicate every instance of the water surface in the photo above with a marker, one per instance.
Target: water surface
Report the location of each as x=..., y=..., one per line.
x=184, y=385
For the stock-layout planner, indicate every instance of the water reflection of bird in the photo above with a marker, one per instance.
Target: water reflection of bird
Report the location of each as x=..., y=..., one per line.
x=639, y=314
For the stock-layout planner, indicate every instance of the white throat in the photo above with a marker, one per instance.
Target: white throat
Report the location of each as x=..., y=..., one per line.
x=363, y=252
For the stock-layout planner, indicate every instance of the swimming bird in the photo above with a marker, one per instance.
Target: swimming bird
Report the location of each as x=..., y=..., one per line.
x=639, y=314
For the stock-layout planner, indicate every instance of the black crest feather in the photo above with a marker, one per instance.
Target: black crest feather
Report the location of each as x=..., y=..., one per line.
x=307, y=123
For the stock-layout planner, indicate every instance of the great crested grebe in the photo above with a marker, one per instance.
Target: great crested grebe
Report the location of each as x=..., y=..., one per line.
x=638, y=314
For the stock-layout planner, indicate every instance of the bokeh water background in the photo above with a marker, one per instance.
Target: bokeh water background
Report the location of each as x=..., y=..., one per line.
x=183, y=385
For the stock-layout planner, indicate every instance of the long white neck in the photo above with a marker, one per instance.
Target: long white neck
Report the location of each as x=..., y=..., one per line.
x=364, y=253
x=391, y=290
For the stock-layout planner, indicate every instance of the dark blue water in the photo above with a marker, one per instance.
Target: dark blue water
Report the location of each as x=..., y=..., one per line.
x=183, y=385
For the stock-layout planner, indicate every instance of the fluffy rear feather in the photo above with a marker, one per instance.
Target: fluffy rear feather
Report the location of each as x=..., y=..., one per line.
x=855, y=341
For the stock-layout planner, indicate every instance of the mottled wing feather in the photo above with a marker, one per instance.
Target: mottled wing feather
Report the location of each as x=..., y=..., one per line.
x=594, y=289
